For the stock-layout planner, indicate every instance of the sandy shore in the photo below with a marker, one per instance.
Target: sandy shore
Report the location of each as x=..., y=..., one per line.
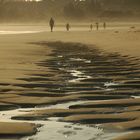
x=122, y=39
x=34, y=72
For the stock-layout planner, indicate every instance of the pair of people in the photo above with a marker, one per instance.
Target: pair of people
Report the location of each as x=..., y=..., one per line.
x=52, y=22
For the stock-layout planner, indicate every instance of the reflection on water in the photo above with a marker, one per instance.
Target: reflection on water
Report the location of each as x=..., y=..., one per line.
x=78, y=76
x=79, y=59
x=18, y=32
x=107, y=84
x=63, y=131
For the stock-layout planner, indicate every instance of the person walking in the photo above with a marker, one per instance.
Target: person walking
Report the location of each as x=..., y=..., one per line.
x=104, y=25
x=51, y=23
x=67, y=26
x=91, y=27
x=97, y=25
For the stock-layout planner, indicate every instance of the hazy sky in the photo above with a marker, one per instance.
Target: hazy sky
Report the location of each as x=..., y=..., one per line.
x=33, y=0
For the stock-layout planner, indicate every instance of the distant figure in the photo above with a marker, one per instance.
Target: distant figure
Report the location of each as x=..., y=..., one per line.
x=97, y=25
x=67, y=26
x=104, y=25
x=91, y=27
x=51, y=24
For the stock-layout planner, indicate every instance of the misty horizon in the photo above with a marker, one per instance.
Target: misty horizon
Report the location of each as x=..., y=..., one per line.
x=88, y=10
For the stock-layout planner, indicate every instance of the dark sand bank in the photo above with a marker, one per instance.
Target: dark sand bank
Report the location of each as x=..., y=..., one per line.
x=106, y=83
x=16, y=130
x=131, y=136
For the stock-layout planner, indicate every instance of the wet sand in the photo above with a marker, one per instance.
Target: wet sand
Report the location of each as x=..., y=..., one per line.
x=49, y=82
x=15, y=130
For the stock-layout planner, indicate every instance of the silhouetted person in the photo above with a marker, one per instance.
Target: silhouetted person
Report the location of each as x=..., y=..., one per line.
x=51, y=24
x=97, y=25
x=67, y=26
x=91, y=27
x=104, y=25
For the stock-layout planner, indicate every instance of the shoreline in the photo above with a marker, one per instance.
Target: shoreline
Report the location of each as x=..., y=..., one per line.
x=123, y=40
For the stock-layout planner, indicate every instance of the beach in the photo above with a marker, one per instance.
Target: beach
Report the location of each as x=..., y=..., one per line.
x=69, y=85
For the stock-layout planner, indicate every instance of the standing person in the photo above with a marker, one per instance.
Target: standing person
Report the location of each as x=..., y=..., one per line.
x=97, y=25
x=67, y=26
x=91, y=27
x=51, y=24
x=104, y=25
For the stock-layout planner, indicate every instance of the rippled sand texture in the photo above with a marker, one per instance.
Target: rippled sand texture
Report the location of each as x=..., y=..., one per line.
x=103, y=88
